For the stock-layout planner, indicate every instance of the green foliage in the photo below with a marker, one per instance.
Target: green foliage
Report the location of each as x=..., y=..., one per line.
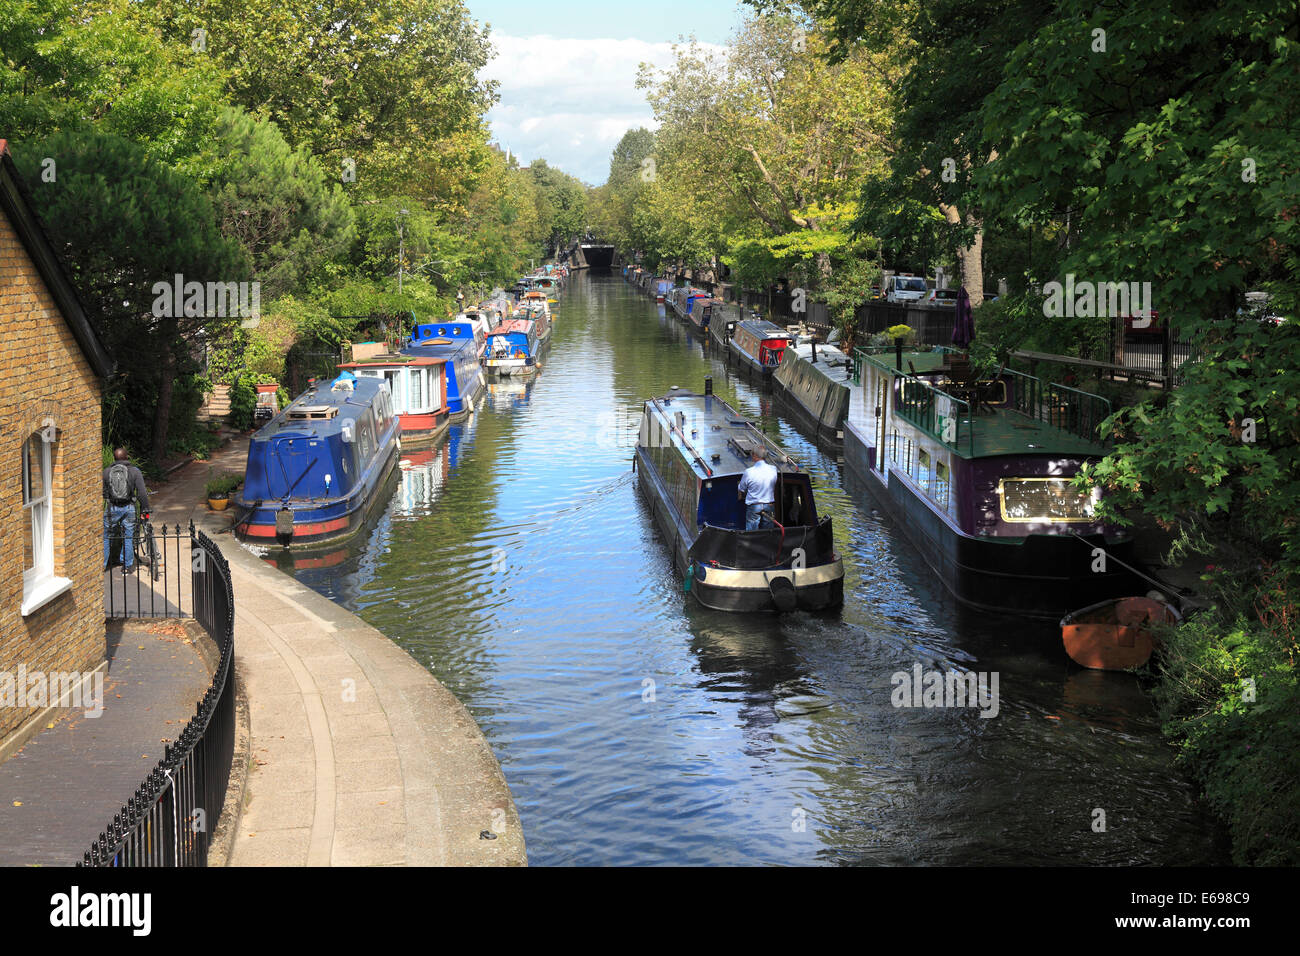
x=223, y=486
x=122, y=222
x=278, y=204
x=1241, y=751
x=243, y=401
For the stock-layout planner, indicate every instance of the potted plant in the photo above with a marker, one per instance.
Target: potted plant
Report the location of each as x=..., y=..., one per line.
x=219, y=489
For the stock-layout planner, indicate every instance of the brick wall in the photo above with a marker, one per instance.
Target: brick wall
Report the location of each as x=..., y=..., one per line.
x=43, y=373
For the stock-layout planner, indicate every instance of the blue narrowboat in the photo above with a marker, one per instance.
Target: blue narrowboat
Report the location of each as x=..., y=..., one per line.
x=314, y=471
x=512, y=348
x=458, y=343
x=690, y=455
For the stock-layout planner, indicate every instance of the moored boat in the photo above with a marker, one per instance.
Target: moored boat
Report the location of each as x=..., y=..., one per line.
x=512, y=349
x=417, y=387
x=978, y=475
x=758, y=345
x=690, y=455
x=457, y=342
x=315, y=470
x=1115, y=635
x=813, y=381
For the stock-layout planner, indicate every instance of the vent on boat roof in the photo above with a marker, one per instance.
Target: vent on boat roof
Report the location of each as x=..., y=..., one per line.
x=321, y=412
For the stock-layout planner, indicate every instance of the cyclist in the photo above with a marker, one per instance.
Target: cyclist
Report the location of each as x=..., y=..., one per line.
x=123, y=488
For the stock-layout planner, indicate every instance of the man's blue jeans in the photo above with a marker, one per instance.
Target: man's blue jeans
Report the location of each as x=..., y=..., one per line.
x=752, y=519
x=126, y=515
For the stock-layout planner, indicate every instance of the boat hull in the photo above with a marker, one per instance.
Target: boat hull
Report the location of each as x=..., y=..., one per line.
x=724, y=589
x=316, y=525
x=1040, y=576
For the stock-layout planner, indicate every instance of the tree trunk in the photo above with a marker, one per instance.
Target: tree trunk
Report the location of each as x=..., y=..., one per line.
x=969, y=258
x=163, y=410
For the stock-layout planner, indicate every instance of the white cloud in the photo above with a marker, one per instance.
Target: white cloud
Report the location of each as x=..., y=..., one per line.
x=569, y=101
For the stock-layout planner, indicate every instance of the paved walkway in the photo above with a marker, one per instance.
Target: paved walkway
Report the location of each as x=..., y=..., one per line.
x=359, y=755
x=60, y=790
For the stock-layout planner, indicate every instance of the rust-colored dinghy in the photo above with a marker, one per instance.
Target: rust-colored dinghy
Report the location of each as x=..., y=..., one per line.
x=1115, y=635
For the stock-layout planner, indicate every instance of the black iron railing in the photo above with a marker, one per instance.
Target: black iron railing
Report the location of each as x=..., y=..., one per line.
x=160, y=557
x=170, y=818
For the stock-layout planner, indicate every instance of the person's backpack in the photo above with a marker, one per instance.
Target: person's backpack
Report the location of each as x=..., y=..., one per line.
x=119, y=484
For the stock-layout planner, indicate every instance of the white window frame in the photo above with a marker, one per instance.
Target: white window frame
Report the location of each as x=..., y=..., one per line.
x=40, y=584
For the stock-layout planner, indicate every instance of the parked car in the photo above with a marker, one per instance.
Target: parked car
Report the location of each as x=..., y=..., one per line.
x=942, y=298
x=905, y=288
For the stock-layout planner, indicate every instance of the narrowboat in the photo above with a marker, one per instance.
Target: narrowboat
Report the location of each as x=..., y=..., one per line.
x=681, y=299
x=512, y=349
x=814, y=381
x=660, y=288
x=978, y=476
x=316, y=469
x=417, y=386
x=690, y=455
x=722, y=324
x=758, y=345
x=457, y=343
x=700, y=311
x=538, y=310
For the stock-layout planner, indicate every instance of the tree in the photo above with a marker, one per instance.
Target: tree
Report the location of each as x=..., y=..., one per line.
x=122, y=222
x=278, y=204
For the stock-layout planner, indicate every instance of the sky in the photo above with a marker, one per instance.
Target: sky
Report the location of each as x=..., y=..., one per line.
x=567, y=71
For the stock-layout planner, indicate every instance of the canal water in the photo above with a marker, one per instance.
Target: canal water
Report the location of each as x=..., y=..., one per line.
x=519, y=564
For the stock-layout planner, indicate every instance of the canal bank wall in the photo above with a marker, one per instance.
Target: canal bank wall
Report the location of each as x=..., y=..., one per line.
x=357, y=755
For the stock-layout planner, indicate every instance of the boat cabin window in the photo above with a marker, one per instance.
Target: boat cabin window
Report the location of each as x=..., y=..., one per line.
x=941, y=484
x=394, y=378
x=1044, y=500
x=415, y=379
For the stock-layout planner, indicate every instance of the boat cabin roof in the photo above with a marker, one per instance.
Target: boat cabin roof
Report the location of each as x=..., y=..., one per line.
x=512, y=325
x=324, y=408
x=1027, y=416
x=764, y=329
x=716, y=437
x=395, y=360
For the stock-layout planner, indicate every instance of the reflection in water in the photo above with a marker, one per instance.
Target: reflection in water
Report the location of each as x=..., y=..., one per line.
x=519, y=564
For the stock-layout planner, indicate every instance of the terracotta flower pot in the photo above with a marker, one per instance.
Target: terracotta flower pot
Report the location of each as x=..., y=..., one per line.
x=218, y=504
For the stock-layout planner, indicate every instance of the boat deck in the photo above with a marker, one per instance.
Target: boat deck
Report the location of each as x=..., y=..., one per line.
x=714, y=428
x=992, y=431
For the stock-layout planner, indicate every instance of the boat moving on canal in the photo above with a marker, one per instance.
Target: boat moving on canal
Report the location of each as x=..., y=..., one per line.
x=316, y=469
x=758, y=345
x=979, y=477
x=512, y=349
x=690, y=455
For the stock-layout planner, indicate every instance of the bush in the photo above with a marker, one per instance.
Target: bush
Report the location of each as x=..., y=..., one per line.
x=223, y=486
x=243, y=400
x=1229, y=698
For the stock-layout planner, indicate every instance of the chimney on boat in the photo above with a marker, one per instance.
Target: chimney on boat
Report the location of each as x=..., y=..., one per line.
x=708, y=385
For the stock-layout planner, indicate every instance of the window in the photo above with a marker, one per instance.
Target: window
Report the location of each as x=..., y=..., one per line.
x=941, y=484
x=417, y=389
x=1044, y=500
x=923, y=469
x=39, y=582
x=394, y=378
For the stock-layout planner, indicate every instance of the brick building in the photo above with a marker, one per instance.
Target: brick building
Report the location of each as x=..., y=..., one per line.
x=52, y=367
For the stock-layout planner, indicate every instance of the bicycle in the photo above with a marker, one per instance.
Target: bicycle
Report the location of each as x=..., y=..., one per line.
x=144, y=545
x=146, y=548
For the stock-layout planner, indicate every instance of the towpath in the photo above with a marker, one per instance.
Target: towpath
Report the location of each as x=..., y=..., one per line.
x=358, y=755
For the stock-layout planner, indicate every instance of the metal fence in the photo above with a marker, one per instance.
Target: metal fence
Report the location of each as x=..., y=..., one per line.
x=159, y=559
x=169, y=819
